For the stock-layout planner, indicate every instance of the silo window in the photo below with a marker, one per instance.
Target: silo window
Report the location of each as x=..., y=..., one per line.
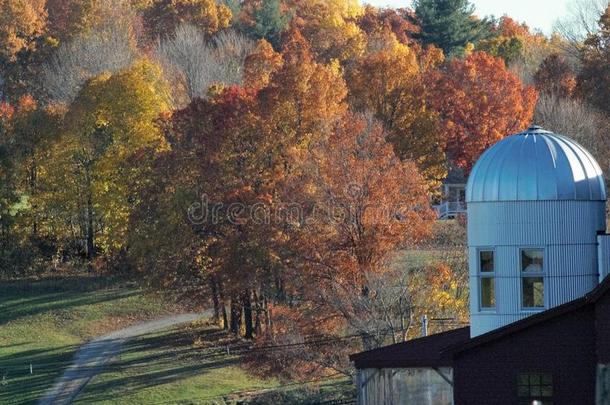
x=487, y=279
x=532, y=278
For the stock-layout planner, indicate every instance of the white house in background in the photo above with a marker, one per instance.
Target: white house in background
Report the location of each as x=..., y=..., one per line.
x=453, y=195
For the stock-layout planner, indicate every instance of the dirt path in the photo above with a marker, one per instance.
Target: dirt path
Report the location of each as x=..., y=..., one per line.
x=92, y=356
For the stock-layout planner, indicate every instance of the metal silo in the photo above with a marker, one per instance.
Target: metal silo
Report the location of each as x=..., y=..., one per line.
x=536, y=202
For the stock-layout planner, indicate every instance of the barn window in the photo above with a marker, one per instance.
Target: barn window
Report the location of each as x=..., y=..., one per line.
x=532, y=278
x=535, y=388
x=487, y=279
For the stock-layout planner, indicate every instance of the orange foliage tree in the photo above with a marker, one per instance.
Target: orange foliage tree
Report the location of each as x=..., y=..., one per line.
x=377, y=21
x=359, y=204
x=480, y=101
x=390, y=80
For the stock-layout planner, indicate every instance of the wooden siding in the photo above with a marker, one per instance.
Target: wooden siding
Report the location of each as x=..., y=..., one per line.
x=563, y=346
x=402, y=386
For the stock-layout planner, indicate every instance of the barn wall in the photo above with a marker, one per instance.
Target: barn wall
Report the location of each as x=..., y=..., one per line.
x=602, y=387
x=602, y=326
x=564, y=347
x=404, y=386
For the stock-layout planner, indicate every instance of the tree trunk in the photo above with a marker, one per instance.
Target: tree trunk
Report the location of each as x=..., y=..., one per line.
x=235, y=316
x=33, y=191
x=247, y=304
x=223, y=308
x=90, y=236
x=257, y=318
x=215, y=298
x=267, y=313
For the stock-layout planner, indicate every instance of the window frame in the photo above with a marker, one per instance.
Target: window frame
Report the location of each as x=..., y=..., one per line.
x=531, y=397
x=530, y=274
x=486, y=274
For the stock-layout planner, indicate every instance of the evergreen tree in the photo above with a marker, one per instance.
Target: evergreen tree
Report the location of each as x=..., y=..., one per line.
x=270, y=21
x=450, y=25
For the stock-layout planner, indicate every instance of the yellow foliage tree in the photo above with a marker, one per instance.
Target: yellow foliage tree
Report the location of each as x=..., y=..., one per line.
x=94, y=174
x=331, y=28
x=21, y=21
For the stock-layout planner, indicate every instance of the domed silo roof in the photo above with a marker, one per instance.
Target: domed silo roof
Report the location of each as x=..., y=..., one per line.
x=535, y=165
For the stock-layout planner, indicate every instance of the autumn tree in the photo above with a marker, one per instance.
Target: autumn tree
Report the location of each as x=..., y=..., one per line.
x=22, y=37
x=237, y=148
x=401, y=22
x=34, y=130
x=70, y=18
x=331, y=28
x=8, y=195
x=91, y=181
x=21, y=22
x=162, y=17
x=555, y=76
x=359, y=205
x=261, y=64
x=391, y=82
x=302, y=97
x=450, y=25
x=479, y=102
x=594, y=77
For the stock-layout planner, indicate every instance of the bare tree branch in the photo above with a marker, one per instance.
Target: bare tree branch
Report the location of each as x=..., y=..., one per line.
x=107, y=48
x=201, y=63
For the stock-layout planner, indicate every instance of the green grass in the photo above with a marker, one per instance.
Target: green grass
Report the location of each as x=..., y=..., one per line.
x=43, y=323
x=168, y=368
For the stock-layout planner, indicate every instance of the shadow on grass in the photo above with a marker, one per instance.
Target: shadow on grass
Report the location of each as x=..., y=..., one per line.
x=18, y=386
x=156, y=359
x=20, y=299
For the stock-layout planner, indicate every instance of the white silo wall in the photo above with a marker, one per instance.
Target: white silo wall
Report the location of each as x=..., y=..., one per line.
x=565, y=229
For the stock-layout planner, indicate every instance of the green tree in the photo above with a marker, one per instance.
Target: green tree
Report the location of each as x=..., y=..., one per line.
x=450, y=25
x=270, y=21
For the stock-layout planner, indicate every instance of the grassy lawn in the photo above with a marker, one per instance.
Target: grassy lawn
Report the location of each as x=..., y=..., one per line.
x=42, y=323
x=167, y=367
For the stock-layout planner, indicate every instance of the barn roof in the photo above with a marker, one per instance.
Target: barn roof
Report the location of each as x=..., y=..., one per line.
x=421, y=352
x=533, y=320
x=438, y=350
